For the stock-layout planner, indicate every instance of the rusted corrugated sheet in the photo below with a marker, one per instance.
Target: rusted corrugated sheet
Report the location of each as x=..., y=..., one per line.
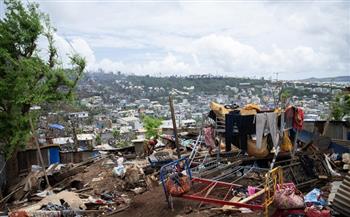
x=341, y=202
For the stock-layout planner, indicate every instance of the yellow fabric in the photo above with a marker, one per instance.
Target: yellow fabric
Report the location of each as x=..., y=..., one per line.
x=278, y=111
x=252, y=106
x=247, y=112
x=219, y=109
x=250, y=109
x=286, y=143
x=252, y=150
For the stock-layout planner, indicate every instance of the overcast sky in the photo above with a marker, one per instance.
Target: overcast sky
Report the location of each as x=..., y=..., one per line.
x=298, y=39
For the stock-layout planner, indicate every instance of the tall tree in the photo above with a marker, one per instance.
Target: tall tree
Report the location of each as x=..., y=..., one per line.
x=26, y=77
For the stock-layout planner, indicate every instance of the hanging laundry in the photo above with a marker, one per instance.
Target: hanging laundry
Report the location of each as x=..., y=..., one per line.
x=252, y=106
x=289, y=117
x=298, y=119
x=238, y=126
x=250, y=109
x=286, y=143
x=219, y=110
x=266, y=121
x=209, y=137
x=252, y=150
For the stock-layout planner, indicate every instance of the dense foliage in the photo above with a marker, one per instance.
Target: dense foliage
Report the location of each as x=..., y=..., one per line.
x=341, y=106
x=26, y=77
x=151, y=126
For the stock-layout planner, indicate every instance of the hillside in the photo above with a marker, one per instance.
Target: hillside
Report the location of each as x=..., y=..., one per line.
x=328, y=79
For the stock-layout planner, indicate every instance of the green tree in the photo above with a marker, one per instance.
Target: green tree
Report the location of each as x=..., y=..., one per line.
x=98, y=139
x=151, y=126
x=27, y=78
x=340, y=107
x=116, y=134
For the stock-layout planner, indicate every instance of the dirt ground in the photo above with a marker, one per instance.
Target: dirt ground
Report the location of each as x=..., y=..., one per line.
x=153, y=204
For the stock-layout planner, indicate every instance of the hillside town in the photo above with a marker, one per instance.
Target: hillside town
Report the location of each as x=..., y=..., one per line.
x=127, y=142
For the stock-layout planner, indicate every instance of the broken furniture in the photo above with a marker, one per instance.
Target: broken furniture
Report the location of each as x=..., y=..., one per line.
x=222, y=193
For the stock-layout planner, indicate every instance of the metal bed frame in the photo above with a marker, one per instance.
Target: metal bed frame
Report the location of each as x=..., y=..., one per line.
x=211, y=191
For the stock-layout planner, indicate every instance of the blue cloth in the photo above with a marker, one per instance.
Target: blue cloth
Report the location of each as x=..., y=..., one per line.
x=314, y=197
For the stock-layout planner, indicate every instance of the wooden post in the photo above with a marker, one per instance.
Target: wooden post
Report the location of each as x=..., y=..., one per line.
x=39, y=152
x=174, y=127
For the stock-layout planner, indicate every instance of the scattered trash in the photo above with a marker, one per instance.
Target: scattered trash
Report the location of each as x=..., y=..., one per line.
x=315, y=211
x=44, y=193
x=119, y=171
x=97, y=179
x=132, y=174
x=315, y=197
x=288, y=197
x=103, y=187
x=36, y=168
x=178, y=184
x=72, y=199
x=245, y=210
x=138, y=190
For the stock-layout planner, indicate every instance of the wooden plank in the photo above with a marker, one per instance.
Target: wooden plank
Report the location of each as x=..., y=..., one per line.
x=252, y=197
x=208, y=192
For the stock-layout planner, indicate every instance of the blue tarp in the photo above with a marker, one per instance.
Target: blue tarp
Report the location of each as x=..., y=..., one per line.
x=56, y=126
x=54, y=155
x=305, y=136
x=339, y=149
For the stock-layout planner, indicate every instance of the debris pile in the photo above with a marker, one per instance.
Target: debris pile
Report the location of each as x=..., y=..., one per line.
x=87, y=188
x=240, y=161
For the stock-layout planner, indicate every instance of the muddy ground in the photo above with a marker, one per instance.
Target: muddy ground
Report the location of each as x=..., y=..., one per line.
x=153, y=204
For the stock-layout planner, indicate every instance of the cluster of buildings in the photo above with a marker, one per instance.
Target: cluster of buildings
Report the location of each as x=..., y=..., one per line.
x=111, y=112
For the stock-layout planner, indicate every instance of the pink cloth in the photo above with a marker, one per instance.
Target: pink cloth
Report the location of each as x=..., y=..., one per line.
x=251, y=190
x=209, y=136
x=287, y=196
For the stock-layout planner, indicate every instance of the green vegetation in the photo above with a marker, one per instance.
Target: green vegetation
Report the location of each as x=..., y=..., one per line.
x=205, y=84
x=151, y=126
x=98, y=139
x=340, y=106
x=122, y=144
x=26, y=78
x=116, y=134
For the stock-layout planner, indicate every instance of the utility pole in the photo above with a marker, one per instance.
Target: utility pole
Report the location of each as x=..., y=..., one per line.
x=73, y=122
x=174, y=127
x=39, y=152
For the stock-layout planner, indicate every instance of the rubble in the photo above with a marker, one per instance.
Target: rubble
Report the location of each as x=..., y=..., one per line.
x=297, y=176
x=89, y=187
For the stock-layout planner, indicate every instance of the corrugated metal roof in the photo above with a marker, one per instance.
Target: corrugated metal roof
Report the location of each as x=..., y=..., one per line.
x=341, y=202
